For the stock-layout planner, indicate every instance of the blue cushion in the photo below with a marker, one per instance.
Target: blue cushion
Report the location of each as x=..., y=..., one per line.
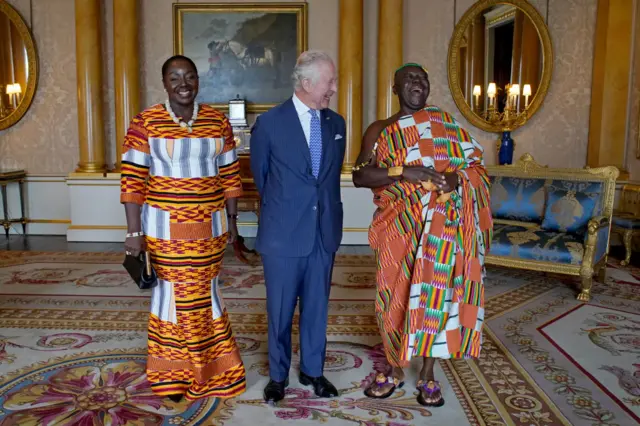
x=570, y=206
x=517, y=198
x=626, y=221
x=536, y=244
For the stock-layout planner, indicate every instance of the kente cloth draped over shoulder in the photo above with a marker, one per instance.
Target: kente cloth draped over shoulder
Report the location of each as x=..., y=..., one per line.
x=430, y=256
x=189, y=176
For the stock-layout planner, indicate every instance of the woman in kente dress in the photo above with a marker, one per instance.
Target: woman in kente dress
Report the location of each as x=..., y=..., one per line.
x=180, y=183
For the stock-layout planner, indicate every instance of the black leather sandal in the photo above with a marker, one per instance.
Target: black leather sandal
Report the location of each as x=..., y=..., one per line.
x=429, y=387
x=380, y=381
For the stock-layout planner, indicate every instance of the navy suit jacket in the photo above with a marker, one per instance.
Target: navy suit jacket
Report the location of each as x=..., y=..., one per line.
x=294, y=205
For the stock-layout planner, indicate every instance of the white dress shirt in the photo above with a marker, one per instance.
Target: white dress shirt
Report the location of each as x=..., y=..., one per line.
x=304, y=116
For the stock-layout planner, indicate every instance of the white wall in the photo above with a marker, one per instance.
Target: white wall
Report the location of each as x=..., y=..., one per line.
x=46, y=205
x=86, y=209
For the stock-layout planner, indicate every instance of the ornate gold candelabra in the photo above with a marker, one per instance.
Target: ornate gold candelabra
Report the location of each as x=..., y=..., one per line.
x=508, y=120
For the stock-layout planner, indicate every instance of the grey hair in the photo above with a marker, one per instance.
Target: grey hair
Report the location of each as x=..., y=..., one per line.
x=306, y=67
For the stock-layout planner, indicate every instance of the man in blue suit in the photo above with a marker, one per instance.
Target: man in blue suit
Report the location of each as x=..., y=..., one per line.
x=297, y=149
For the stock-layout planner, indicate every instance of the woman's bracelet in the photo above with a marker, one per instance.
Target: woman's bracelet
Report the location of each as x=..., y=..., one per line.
x=135, y=234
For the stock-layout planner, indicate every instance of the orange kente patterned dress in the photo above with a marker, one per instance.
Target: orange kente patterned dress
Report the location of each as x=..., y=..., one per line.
x=182, y=180
x=430, y=254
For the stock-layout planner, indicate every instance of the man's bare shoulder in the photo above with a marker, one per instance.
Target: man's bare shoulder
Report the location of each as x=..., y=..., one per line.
x=375, y=128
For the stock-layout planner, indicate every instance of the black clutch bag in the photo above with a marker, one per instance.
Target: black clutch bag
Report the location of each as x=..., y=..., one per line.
x=140, y=270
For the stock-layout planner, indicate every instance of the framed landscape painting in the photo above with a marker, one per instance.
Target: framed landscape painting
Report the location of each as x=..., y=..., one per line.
x=242, y=49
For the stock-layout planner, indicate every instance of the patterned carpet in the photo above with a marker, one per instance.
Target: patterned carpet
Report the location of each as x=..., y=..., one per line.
x=72, y=351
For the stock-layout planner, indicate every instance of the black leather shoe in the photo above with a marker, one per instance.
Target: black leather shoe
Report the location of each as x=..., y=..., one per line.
x=274, y=391
x=322, y=387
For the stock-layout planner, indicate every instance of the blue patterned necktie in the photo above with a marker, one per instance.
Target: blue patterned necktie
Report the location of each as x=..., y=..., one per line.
x=315, y=142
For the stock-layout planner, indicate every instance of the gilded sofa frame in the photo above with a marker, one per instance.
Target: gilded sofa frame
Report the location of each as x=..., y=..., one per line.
x=629, y=203
x=526, y=167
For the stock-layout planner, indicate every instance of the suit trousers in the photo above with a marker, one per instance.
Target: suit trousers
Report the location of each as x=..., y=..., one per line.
x=287, y=280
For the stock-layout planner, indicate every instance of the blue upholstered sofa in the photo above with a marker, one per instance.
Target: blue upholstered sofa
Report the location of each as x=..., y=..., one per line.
x=552, y=220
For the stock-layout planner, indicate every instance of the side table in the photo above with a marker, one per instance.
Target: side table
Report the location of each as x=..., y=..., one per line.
x=249, y=202
x=7, y=177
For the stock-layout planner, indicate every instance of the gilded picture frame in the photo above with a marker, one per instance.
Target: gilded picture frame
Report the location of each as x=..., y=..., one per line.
x=638, y=137
x=28, y=92
x=458, y=39
x=242, y=49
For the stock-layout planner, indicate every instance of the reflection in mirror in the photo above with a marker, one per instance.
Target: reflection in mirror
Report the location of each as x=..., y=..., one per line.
x=500, y=61
x=14, y=66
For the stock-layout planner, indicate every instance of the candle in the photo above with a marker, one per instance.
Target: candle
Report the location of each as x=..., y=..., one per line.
x=491, y=92
x=514, y=92
x=526, y=91
x=14, y=90
x=477, y=91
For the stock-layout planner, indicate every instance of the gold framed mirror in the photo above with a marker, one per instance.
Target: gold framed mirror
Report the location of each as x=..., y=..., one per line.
x=500, y=64
x=18, y=67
